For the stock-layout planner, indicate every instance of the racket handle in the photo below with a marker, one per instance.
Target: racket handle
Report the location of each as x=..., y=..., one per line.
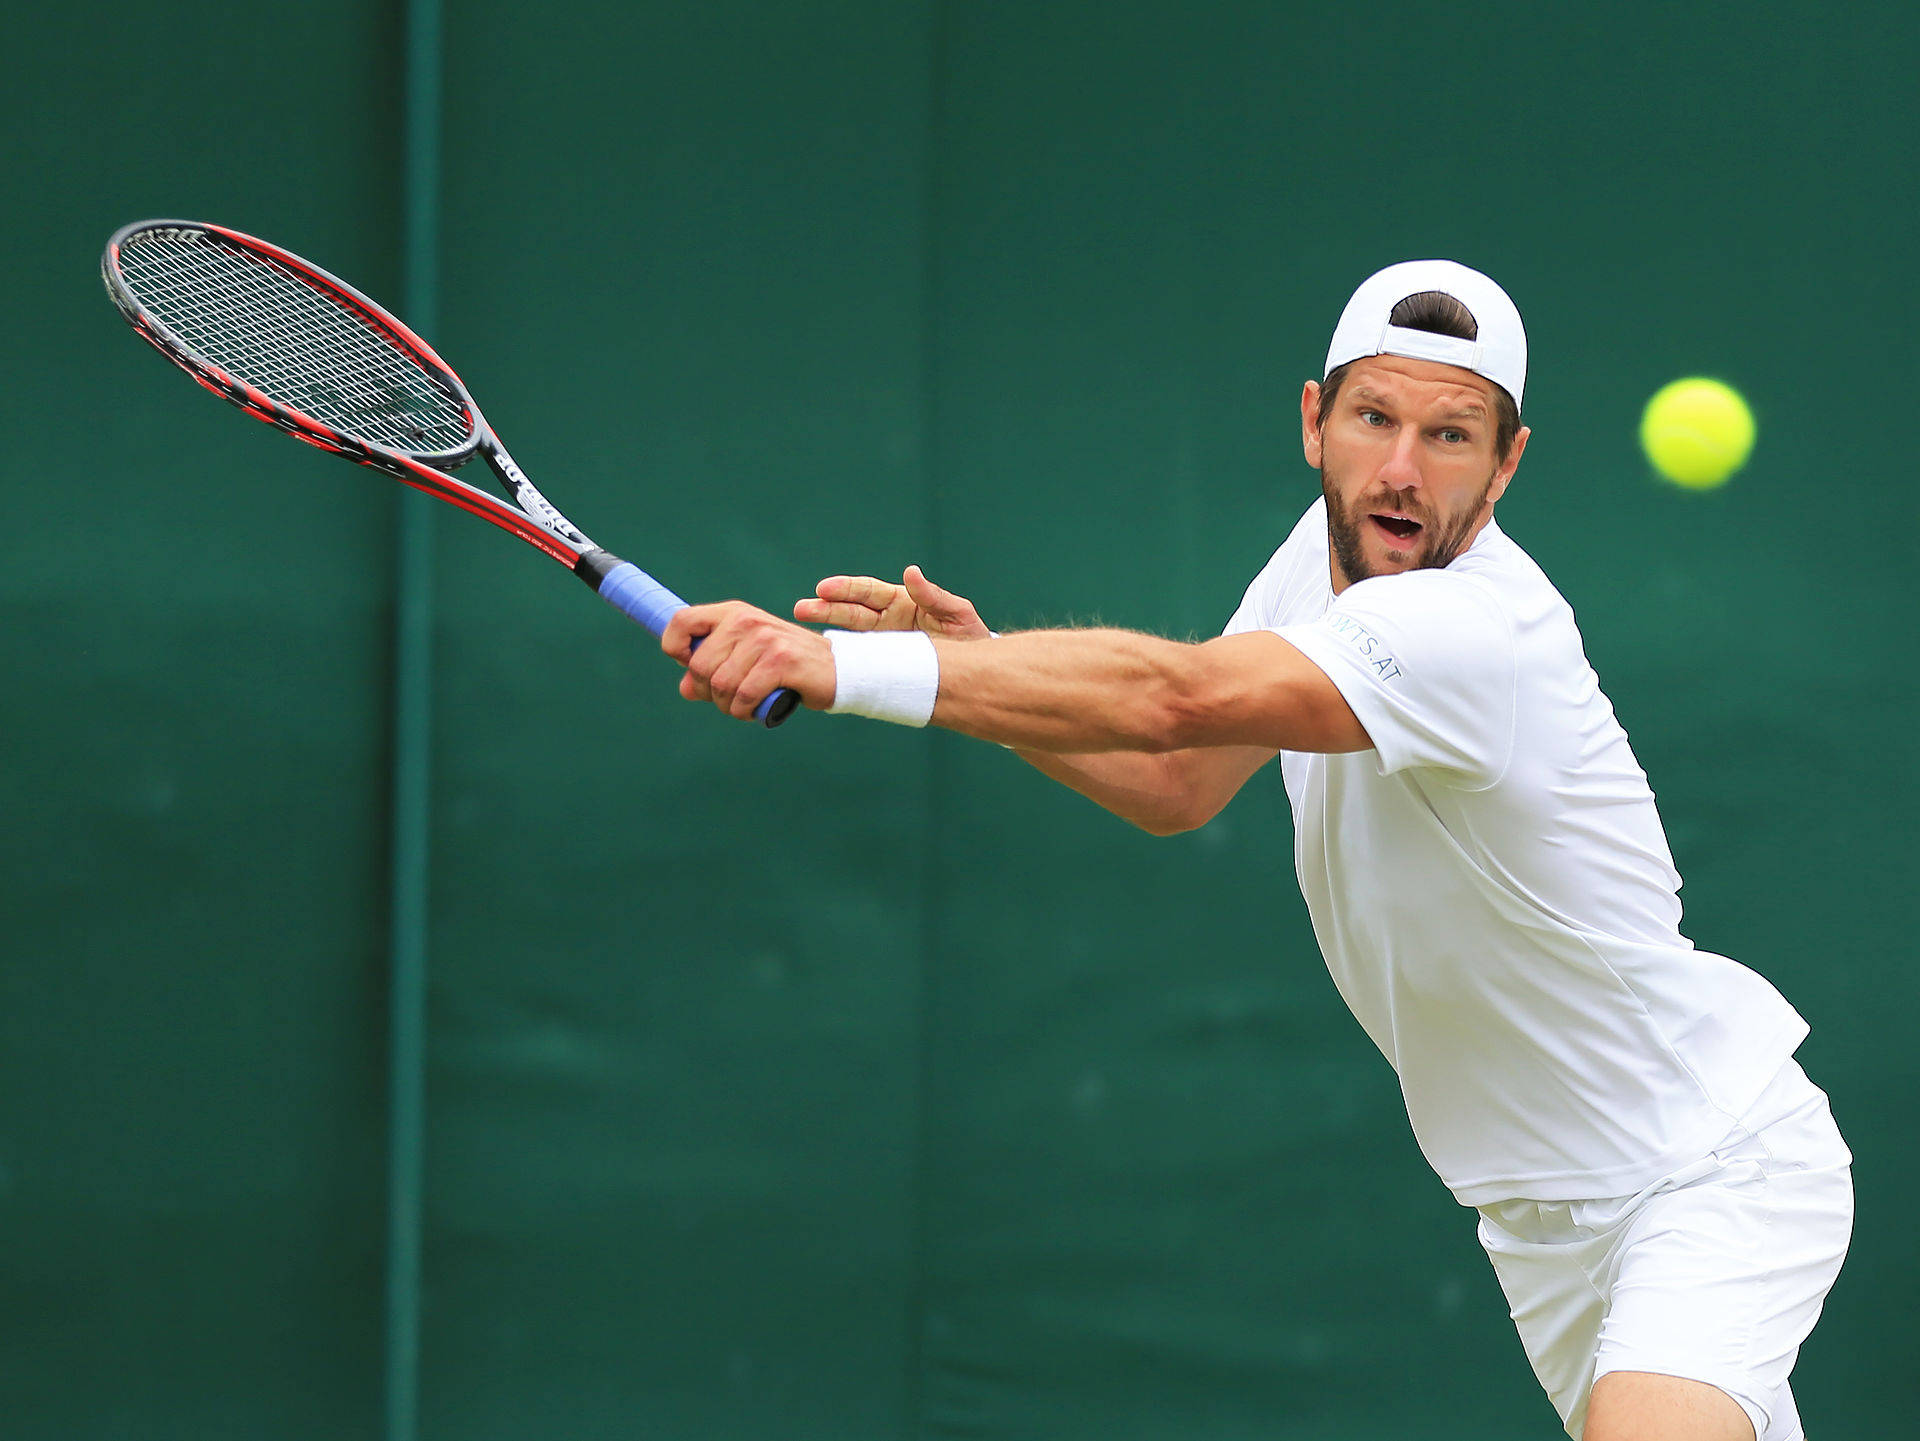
x=637, y=595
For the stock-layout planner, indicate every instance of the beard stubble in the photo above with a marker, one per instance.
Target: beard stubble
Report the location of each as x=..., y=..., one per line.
x=1443, y=541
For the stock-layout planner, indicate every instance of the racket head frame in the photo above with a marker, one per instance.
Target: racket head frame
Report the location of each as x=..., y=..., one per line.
x=427, y=470
x=623, y=585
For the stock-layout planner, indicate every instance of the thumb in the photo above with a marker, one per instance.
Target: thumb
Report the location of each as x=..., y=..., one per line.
x=926, y=594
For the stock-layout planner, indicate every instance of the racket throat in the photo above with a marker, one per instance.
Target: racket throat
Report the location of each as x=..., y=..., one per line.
x=596, y=565
x=533, y=502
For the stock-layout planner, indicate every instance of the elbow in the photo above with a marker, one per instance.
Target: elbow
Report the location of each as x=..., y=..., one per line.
x=1188, y=810
x=1158, y=822
x=1162, y=826
x=1176, y=806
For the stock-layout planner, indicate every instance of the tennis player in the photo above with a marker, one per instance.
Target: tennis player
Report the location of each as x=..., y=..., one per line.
x=1662, y=1191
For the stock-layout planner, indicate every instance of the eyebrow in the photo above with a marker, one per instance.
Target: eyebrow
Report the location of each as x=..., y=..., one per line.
x=1472, y=410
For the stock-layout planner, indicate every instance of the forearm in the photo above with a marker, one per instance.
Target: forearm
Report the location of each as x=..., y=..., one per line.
x=1067, y=692
x=1140, y=788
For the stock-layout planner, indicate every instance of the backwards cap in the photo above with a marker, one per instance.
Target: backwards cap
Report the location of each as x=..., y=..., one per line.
x=1499, y=351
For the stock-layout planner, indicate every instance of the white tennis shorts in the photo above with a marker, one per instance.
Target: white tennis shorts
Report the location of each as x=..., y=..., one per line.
x=1715, y=1273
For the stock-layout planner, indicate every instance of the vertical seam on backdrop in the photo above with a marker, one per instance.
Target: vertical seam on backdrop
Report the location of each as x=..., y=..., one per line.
x=933, y=790
x=410, y=785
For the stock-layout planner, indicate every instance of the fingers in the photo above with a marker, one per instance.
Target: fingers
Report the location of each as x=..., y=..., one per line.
x=704, y=639
x=851, y=602
x=688, y=626
x=760, y=680
x=858, y=602
x=726, y=690
x=863, y=602
x=842, y=614
x=746, y=675
x=859, y=589
x=736, y=656
x=691, y=639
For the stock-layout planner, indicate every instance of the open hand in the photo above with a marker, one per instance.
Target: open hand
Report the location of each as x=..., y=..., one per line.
x=860, y=602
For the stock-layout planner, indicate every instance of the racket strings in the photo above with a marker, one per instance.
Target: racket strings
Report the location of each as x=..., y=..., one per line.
x=264, y=324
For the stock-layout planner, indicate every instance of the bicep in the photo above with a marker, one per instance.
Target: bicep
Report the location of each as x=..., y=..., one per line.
x=1258, y=691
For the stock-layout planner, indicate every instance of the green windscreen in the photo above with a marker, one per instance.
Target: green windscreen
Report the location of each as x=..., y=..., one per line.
x=843, y=1081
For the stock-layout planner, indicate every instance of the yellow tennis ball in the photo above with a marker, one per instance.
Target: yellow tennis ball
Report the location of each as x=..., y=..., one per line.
x=1697, y=432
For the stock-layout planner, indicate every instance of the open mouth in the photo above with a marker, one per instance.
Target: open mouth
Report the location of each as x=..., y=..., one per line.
x=1399, y=531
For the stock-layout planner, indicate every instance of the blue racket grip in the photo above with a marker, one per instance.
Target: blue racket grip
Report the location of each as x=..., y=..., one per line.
x=634, y=593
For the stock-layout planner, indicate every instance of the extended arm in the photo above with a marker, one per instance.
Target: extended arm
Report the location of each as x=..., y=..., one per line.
x=1108, y=690
x=1160, y=732
x=1161, y=792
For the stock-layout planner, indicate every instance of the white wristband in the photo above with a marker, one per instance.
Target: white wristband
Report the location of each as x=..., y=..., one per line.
x=889, y=675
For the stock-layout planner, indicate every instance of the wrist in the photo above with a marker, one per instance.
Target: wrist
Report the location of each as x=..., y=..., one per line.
x=889, y=675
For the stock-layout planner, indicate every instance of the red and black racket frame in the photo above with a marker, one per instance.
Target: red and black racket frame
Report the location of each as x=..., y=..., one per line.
x=428, y=471
x=620, y=583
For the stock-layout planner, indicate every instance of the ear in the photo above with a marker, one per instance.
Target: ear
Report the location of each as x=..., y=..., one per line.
x=1504, y=475
x=1310, y=422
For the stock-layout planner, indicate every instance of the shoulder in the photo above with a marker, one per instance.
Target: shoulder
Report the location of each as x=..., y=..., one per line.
x=1539, y=618
x=1312, y=525
x=1292, y=585
x=1495, y=579
x=1499, y=565
x=1455, y=626
x=1445, y=604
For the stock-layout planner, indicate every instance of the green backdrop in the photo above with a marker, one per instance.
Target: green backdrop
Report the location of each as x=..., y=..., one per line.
x=848, y=1082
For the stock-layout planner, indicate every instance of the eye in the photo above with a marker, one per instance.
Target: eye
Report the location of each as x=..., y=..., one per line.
x=1373, y=418
x=1454, y=437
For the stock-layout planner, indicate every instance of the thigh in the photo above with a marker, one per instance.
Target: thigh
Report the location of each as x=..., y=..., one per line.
x=1642, y=1406
x=1547, y=1269
x=1714, y=1276
x=1719, y=1281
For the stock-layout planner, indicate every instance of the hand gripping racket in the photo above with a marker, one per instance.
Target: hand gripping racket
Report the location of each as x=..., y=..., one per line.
x=307, y=353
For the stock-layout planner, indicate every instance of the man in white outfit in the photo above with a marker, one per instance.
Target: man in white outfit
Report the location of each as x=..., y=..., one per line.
x=1663, y=1193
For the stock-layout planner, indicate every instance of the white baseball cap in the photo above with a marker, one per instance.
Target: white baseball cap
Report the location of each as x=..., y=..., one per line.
x=1499, y=351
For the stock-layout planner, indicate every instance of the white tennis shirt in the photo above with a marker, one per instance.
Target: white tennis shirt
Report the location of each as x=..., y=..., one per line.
x=1492, y=888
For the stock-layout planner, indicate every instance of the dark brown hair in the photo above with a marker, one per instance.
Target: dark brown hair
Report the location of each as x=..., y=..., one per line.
x=1438, y=313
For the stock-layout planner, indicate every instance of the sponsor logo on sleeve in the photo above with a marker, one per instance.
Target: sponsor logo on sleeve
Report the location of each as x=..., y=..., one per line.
x=1365, y=643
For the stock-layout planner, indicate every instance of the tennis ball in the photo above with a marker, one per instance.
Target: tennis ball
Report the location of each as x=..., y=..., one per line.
x=1697, y=432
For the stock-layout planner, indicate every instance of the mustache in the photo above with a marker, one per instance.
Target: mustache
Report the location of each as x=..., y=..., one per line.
x=1396, y=504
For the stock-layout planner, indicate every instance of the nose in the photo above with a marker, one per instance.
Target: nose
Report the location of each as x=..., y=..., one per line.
x=1402, y=468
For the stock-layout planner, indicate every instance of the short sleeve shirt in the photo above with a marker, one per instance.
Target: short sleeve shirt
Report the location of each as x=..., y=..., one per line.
x=1492, y=889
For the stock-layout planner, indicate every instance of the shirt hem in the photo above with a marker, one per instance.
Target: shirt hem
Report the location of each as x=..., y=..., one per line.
x=1559, y=1186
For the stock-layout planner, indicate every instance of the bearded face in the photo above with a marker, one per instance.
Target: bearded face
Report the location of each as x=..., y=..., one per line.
x=1408, y=463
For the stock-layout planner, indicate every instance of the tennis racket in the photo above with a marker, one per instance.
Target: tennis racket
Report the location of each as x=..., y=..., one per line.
x=308, y=354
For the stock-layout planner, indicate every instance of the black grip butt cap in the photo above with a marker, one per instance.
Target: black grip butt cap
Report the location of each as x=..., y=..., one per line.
x=784, y=705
